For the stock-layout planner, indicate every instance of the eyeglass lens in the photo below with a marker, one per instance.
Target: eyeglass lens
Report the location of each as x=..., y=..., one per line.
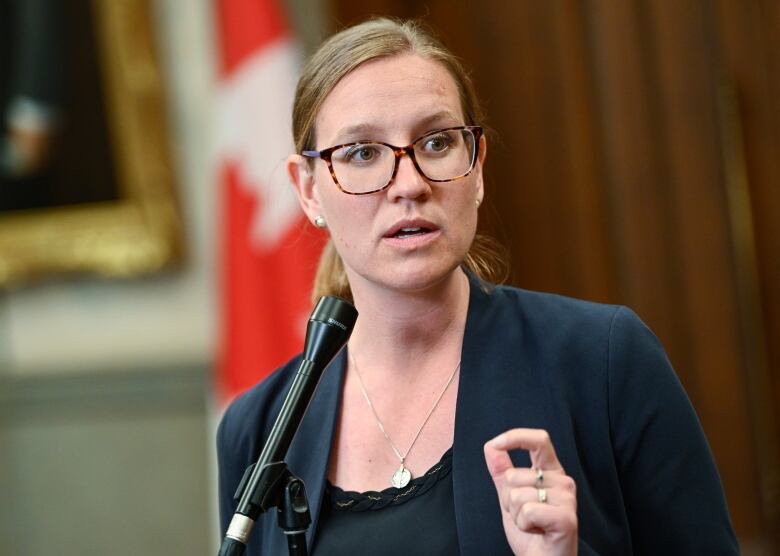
x=441, y=156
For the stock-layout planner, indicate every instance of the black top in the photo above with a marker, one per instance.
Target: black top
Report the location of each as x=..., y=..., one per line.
x=416, y=519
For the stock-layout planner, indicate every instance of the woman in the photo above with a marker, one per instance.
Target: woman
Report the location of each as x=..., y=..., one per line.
x=463, y=417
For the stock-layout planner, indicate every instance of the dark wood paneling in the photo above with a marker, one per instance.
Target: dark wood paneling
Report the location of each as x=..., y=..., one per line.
x=687, y=69
x=636, y=175
x=750, y=48
x=590, y=243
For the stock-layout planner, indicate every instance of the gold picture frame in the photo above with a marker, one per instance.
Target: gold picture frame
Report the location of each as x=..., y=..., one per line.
x=142, y=231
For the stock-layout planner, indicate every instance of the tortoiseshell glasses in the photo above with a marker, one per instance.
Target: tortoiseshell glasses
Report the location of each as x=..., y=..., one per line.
x=369, y=166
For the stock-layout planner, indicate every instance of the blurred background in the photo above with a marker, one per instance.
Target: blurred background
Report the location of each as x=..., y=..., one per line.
x=634, y=158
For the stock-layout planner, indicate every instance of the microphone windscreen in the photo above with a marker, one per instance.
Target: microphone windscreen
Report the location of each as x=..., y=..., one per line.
x=330, y=325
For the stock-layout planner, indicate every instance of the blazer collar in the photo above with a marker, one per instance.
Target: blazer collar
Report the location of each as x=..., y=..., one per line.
x=479, y=417
x=503, y=385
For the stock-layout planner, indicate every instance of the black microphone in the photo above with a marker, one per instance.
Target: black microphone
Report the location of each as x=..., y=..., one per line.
x=329, y=328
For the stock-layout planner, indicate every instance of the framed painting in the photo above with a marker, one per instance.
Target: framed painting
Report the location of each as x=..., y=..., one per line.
x=109, y=207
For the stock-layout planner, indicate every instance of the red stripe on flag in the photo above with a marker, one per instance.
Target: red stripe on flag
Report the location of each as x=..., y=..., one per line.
x=266, y=278
x=245, y=26
x=266, y=298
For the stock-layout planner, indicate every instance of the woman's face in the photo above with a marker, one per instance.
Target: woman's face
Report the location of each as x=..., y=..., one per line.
x=413, y=234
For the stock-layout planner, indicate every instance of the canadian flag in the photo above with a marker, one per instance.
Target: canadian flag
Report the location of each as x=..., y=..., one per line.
x=268, y=252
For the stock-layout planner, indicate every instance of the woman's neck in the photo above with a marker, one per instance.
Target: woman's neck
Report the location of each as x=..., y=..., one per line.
x=399, y=328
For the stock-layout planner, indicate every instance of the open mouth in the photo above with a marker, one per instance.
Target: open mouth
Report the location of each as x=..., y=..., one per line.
x=410, y=232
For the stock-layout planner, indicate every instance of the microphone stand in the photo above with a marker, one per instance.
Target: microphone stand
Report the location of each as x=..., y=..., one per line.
x=269, y=483
x=278, y=488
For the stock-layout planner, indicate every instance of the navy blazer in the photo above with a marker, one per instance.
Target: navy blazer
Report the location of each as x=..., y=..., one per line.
x=594, y=376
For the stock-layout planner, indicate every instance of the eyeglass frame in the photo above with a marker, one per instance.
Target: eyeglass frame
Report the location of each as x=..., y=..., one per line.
x=326, y=155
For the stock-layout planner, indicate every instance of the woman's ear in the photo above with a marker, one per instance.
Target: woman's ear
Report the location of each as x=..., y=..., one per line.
x=480, y=162
x=302, y=179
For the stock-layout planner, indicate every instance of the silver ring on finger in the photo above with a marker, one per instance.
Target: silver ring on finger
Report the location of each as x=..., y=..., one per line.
x=539, y=478
x=541, y=495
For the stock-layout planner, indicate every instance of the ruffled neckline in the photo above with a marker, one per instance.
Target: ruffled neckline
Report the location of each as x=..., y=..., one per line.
x=348, y=500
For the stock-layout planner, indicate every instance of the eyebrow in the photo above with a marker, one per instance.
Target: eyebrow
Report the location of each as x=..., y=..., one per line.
x=441, y=116
x=350, y=131
x=363, y=130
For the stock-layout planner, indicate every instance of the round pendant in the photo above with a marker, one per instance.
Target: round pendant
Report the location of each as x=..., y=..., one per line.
x=401, y=477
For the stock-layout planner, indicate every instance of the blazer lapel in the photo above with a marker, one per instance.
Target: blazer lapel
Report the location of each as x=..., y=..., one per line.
x=496, y=392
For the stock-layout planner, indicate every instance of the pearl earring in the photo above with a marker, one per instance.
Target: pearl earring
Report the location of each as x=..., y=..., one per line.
x=477, y=201
x=320, y=222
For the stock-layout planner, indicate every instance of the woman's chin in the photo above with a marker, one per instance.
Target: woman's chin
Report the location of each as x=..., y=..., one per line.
x=415, y=278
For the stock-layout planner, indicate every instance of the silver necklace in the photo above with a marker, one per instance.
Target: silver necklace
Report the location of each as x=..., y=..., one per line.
x=402, y=475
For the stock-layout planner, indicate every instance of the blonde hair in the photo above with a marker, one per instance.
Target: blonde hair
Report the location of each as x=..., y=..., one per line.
x=338, y=56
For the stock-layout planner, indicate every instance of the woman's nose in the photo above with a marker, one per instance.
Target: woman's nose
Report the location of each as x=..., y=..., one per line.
x=408, y=182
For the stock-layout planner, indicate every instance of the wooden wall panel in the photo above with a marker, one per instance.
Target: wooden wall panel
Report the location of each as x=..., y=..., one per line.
x=687, y=73
x=636, y=174
x=522, y=101
x=750, y=50
x=591, y=242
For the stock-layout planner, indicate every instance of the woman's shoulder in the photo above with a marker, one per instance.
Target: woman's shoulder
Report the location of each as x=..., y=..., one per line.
x=549, y=314
x=554, y=304
x=560, y=330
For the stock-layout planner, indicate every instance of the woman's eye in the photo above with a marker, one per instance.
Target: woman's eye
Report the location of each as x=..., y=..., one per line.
x=438, y=143
x=361, y=154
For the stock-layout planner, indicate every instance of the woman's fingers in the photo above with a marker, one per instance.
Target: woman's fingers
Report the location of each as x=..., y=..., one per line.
x=528, y=494
x=498, y=462
x=512, y=499
x=552, y=520
x=536, y=441
x=525, y=476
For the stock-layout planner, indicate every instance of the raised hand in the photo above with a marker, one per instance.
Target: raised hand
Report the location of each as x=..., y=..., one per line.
x=538, y=504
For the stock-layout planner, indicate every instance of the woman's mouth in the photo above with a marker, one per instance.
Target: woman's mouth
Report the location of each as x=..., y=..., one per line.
x=411, y=233
x=410, y=227
x=408, y=232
